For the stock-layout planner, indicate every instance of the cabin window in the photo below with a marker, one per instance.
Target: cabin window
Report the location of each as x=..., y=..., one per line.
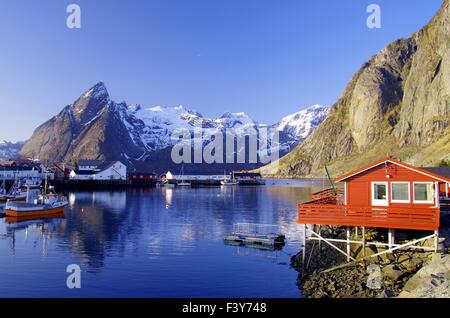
x=423, y=192
x=380, y=194
x=400, y=192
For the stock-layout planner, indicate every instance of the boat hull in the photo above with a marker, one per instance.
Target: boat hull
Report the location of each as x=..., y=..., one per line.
x=28, y=213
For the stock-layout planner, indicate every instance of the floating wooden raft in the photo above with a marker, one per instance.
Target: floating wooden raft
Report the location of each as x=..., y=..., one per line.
x=255, y=235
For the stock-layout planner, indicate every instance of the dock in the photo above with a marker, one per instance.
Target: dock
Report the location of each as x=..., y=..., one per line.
x=255, y=235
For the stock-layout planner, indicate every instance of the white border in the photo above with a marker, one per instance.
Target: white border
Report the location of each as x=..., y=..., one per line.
x=409, y=192
x=414, y=193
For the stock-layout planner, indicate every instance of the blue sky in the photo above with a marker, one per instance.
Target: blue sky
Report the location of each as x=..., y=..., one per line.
x=268, y=58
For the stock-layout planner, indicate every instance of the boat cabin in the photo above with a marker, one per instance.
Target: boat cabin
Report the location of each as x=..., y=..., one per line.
x=385, y=194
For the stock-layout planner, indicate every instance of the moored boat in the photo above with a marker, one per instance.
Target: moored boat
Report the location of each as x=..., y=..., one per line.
x=36, y=204
x=229, y=182
x=16, y=193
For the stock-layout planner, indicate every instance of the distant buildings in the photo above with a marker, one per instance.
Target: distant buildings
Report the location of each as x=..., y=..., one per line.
x=11, y=170
x=99, y=170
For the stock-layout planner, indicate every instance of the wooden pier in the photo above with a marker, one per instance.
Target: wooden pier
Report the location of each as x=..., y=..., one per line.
x=256, y=235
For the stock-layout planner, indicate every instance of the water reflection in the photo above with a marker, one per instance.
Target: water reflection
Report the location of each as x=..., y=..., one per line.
x=142, y=239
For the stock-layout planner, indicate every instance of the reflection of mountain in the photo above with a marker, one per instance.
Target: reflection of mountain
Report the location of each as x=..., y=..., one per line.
x=161, y=223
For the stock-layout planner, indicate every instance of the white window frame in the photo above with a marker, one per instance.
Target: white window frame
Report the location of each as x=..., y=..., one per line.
x=432, y=193
x=447, y=190
x=409, y=192
x=380, y=202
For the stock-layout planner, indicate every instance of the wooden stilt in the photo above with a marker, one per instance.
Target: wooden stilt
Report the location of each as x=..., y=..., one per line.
x=436, y=241
x=364, y=240
x=327, y=241
x=320, y=241
x=356, y=231
x=304, y=246
x=381, y=253
x=348, y=244
x=391, y=238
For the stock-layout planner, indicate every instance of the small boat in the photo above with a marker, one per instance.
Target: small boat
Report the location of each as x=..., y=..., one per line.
x=16, y=193
x=183, y=182
x=36, y=204
x=168, y=185
x=229, y=182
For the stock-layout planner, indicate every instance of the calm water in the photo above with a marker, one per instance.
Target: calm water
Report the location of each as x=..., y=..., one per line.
x=155, y=243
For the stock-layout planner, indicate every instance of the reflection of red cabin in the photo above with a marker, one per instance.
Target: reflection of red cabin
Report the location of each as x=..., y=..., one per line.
x=385, y=194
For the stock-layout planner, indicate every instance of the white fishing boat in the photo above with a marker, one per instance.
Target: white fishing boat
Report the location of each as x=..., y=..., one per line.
x=228, y=182
x=37, y=203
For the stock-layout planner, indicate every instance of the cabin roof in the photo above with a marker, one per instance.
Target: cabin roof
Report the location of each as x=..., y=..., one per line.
x=7, y=163
x=84, y=172
x=432, y=173
x=93, y=163
x=105, y=165
x=442, y=171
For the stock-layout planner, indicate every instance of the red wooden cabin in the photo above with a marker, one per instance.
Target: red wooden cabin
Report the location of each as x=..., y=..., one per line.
x=385, y=194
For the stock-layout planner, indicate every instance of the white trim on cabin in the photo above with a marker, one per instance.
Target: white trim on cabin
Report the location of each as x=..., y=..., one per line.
x=409, y=192
x=395, y=163
x=345, y=193
x=377, y=202
x=433, y=194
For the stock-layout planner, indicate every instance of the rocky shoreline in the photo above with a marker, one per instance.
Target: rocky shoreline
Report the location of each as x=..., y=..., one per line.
x=411, y=273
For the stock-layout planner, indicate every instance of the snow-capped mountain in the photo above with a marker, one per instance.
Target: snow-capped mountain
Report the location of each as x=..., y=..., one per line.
x=9, y=150
x=297, y=127
x=94, y=127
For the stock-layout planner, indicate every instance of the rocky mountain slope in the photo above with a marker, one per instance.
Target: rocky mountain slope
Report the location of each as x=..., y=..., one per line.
x=397, y=104
x=95, y=127
x=9, y=150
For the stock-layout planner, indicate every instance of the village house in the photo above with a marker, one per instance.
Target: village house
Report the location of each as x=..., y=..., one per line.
x=11, y=170
x=99, y=170
x=387, y=194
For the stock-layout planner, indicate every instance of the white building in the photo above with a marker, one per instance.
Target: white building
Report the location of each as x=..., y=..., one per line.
x=94, y=170
x=12, y=171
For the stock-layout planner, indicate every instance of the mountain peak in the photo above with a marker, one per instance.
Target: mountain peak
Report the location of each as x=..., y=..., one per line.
x=98, y=91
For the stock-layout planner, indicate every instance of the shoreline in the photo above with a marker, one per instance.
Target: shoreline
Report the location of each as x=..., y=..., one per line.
x=403, y=273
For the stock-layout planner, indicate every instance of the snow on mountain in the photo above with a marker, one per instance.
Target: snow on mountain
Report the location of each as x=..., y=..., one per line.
x=153, y=126
x=95, y=126
x=297, y=127
x=9, y=150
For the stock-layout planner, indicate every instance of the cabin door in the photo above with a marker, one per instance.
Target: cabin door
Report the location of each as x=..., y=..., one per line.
x=380, y=194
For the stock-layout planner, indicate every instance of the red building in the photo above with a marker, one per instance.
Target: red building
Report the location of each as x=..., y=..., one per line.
x=385, y=194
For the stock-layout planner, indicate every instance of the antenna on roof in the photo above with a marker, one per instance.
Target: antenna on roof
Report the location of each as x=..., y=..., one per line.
x=331, y=181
